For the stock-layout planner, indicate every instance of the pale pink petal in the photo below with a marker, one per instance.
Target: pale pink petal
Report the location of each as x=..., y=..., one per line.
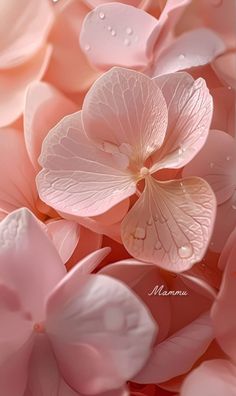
x=177, y=354
x=69, y=69
x=225, y=223
x=119, y=35
x=223, y=310
x=191, y=49
x=171, y=223
x=216, y=163
x=142, y=279
x=44, y=107
x=14, y=83
x=190, y=112
x=125, y=112
x=78, y=178
x=23, y=29
x=225, y=66
x=134, y=3
x=216, y=377
x=15, y=343
x=227, y=250
x=99, y=323
x=65, y=235
x=17, y=176
x=224, y=110
x=29, y=261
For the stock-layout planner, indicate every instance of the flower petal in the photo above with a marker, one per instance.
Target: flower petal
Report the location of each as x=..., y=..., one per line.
x=101, y=324
x=190, y=112
x=119, y=35
x=17, y=179
x=65, y=235
x=126, y=109
x=216, y=163
x=78, y=178
x=223, y=310
x=191, y=49
x=215, y=376
x=171, y=223
x=177, y=354
x=45, y=107
x=27, y=253
x=29, y=24
x=225, y=66
x=14, y=83
x=15, y=343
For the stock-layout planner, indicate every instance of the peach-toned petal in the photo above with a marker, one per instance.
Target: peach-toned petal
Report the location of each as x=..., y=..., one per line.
x=44, y=107
x=24, y=26
x=216, y=377
x=171, y=223
x=190, y=112
x=125, y=109
x=177, y=354
x=216, y=163
x=17, y=176
x=116, y=34
x=14, y=83
x=191, y=49
x=78, y=178
x=225, y=66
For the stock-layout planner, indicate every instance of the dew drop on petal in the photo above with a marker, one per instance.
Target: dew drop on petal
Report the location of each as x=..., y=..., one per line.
x=140, y=233
x=129, y=31
x=127, y=42
x=101, y=15
x=181, y=56
x=87, y=47
x=211, y=165
x=113, y=33
x=109, y=28
x=185, y=251
x=228, y=158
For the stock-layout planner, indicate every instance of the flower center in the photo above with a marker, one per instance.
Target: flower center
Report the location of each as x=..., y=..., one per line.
x=39, y=328
x=144, y=171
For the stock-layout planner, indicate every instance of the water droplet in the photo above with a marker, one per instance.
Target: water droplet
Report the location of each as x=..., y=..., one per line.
x=211, y=165
x=129, y=31
x=181, y=56
x=127, y=42
x=101, y=15
x=185, y=251
x=149, y=222
x=113, y=33
x=234, y=206
x=229, y=87
x=180, y=151
x=87, y=47
x=140, y=233
x=228, y=158
x=109, y=28
x=114, y=319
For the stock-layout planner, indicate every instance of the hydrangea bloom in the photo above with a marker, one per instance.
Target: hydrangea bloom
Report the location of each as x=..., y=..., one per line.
x=129, y=129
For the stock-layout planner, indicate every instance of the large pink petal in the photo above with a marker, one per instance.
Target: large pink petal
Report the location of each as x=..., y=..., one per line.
x=189, y=117
x=143, y=279
x=78, y=178
x=24, y=28
x=119, y=35
x=223, y=311
x=216, y=163
x=14, y=83
x=15, y=343
x=29, y=261
x=216, y=377
x=44, y=108
x=224, y=110
x=17, y=176
x=171, y=223
x=177, y=354
x=191, y=49
x=65, y=235
x=125, y=109
x=225, y=223
x=69, y=69
x=99, y=323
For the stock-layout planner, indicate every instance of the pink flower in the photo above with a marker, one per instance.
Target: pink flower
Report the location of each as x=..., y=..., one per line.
x=216, y=163
x=122, y=35
x=89, y=330
x=130, y=128
x=24, y=53
x=219, y=376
